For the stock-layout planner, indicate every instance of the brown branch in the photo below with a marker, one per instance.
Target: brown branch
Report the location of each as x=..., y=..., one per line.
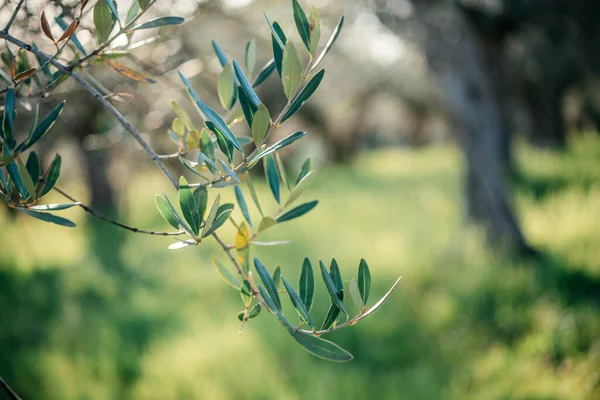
x=11, y=393
x=98, y=215
x=94, y=92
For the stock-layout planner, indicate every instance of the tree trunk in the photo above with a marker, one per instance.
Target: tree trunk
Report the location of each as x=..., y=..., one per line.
x=470, y=74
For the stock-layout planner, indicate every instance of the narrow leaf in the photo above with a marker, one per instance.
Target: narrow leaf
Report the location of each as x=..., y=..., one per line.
x=332, y=315
x=268, y=282
x=104, y=20
x=158, y=22
x=277, y=276
x=273, y=177
x=182, y=114
x=48, y=217
x=223, y=59
x=15, y=176
x=188, y=205
x=211, y=115
x=251, y=57
x=52, y=175
x=315, y=30
x=298, y=304
x=43, y=126
x=33, y=167
x=223, y=214
x=331, y=288
x=201, y=198
x=304, y=170
x=53, y=207
x=46, y=27
x=298, y=211
x=128, y=72
x=253, y=193
x=26, y=178
x=225, y=273
x=364, y=280
x=226, y=87
x=279, y=145
x=266, y=223
x=307, y=284
x=239, y=196
x=300, y=187
x=264, y=73
x=69, y=31
x=291, y=70
x=301, y=23
x=211, y=215
x=330, y=42
x=260, y=124
x=165, y=211
x=321, y=348
x=304, y=95
x=230, y=172
x=246, y=85
x=379, y=303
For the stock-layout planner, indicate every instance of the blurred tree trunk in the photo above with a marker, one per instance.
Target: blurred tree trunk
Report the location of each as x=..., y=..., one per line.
x=469, y=67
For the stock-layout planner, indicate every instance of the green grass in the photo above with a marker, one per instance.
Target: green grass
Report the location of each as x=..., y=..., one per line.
x=96, y=313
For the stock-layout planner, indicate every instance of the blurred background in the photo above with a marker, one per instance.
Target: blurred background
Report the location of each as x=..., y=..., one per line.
x=457, y=145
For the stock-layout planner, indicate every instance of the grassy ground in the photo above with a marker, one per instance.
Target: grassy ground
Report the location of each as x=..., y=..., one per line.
x=95, y=313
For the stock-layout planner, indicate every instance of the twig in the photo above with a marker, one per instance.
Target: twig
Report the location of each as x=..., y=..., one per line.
x=13, y=16
x=98, y=215
x=11, y=393
x=86, y=85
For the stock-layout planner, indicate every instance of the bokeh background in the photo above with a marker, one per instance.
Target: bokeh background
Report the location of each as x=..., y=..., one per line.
x=457, y=146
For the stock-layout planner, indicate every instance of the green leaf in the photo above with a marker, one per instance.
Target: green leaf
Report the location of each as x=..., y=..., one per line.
x=188, y=205
x=158, y=22
x=206, y=145
x=321, y=348
x=302, y=23
x=278, y=47
x=15, y=176
x=144, y=4
x=378, y=304
x=246, y=292
x=246, y=85
x=260, y=124
x=277, y=33
x=239, y=196
x=356, y=295
x=269, y=302
x=43, y=127
x=52, y=175
x=248, y=108
x=132, y=12
x=291, y=70
x=266, y=223
x=304, y=170
x=226, y=88
x=331, y=288
x=190, y=166
x=112, y=6
x=277, y=276
x=251, y=314
x=33, y=167
x=201, y=199
x=211, y=115
x=26, y=178
x=165, y=210
x=279, y=145
x=330, y=42
x=4, y=183
x=181, y=221
x=9, y=116
x=48, y=217
x=264, y=73
x=364, y=280
x=336, y=276
x=273, y=177
x=332, y=315
x=53, y=207
x=230, y=172
x=253, y=193
x=202, y=159
x=298, y=211
x=300, y=187
x=222, y=142
x=251, y=57
x=211, y=215
x=315, y=30
x=304, y=95
x=223, y=59
x=182, y=114
x=268, y=282
x=104, y=21
x=307, y=284
x=221, y=217
x=297, y=302
x=225, y=273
